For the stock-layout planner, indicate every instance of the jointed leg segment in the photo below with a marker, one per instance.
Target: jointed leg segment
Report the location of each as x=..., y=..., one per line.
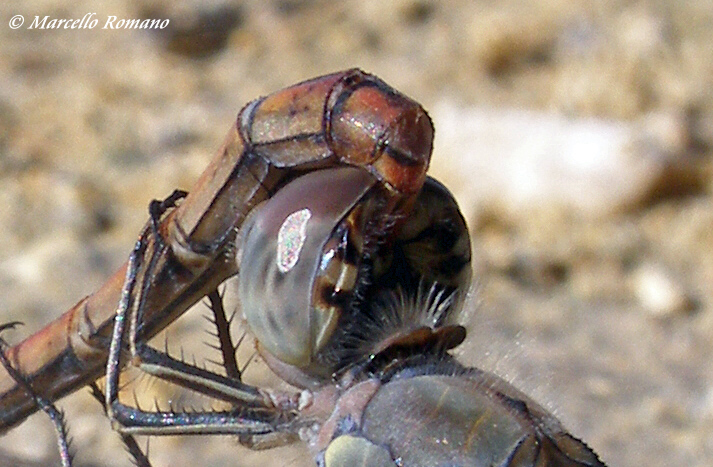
x=254, y=416
x=56, y=415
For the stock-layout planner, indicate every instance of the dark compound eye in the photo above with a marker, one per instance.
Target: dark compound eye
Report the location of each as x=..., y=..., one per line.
x=292, y=252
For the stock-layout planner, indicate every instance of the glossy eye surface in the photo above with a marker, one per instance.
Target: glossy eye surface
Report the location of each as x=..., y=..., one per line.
x=300, y=254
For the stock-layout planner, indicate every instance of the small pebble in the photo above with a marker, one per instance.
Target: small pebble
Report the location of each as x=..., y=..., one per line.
x=659, y=293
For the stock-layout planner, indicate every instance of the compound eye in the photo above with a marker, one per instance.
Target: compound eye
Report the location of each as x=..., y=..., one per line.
x=436, y=242
x=287, y=250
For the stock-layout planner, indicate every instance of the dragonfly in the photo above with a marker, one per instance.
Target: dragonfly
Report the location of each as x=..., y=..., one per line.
x=352, y=269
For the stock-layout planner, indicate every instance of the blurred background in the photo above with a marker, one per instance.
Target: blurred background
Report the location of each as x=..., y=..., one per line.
x=577, y=137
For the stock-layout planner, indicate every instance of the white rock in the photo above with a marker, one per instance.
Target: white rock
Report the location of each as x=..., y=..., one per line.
x=520, y=161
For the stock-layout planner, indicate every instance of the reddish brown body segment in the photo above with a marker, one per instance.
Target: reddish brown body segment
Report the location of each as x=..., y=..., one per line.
x=346, y=118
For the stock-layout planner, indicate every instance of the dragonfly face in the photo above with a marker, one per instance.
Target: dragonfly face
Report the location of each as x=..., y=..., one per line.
x=315, y=257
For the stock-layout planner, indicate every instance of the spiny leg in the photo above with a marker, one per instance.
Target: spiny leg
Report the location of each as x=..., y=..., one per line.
x=113, y=366
x=140, y=459
x=156, y=210
x=255, y=416
x=198, y=379
x=55, y=415
x=127, y=302
x=255, y=404
x=226, y=347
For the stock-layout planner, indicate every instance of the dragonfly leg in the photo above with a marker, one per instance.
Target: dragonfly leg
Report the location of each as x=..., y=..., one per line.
x=128, y=305
x=226, y=347
x=253, y=416
x=158, y=208
x=229, y=388
x=140, y=459
x=252, y=419
x=256, y=419
x=55, y=415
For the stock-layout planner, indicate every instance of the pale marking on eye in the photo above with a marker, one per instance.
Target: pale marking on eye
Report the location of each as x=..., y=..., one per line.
x=291, y=239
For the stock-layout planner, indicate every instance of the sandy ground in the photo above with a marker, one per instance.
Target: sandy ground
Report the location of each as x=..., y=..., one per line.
x=94, y=123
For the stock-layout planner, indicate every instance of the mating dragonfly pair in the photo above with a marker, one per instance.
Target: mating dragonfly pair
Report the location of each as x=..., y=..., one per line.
x=352, y=268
